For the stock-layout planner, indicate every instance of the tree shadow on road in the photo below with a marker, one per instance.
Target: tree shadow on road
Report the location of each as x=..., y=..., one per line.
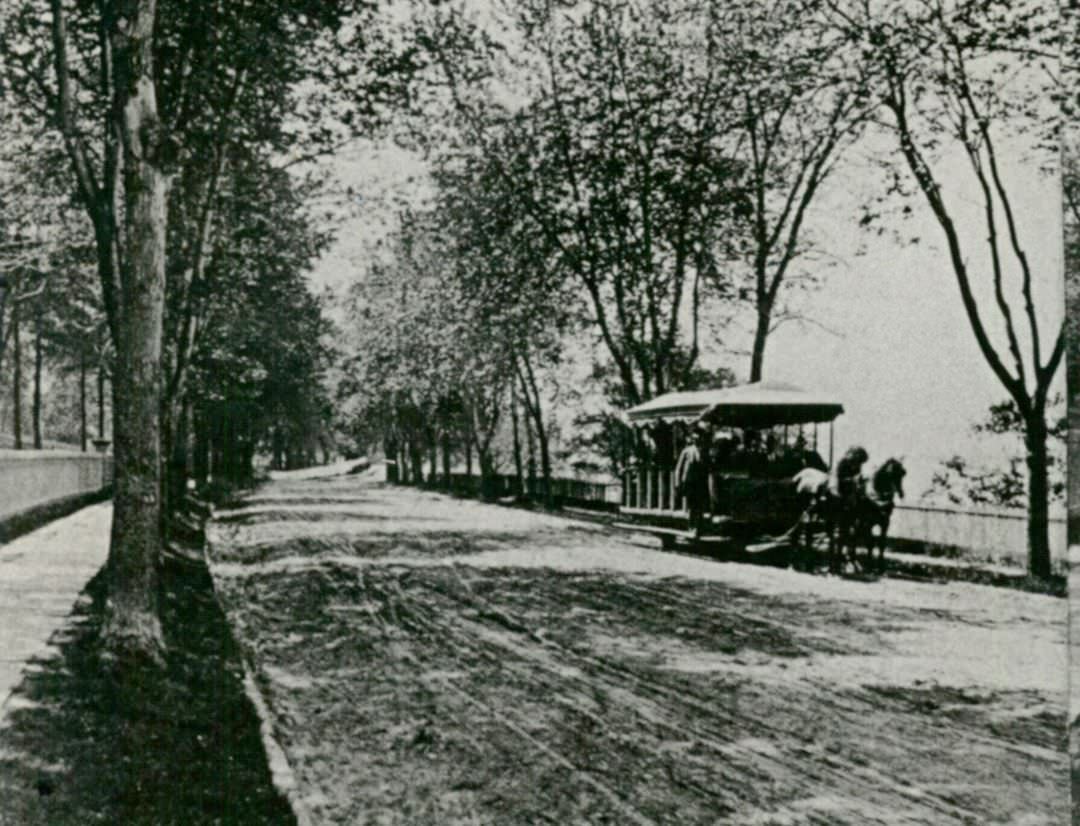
x=156, y=747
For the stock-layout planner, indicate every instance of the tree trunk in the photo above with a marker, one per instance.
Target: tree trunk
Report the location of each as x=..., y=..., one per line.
x=487, y=473
x=1073, y=471
x=225, y=446
x=520, y=475
x=132, y=629
x=188, y=412
x=761, y=337
x=277, y=440
x=545, y=464
x=244, y=450
x=168, y=483
x=533, y=408
x=82, y=402
x=202, y=446
x=5, y=288
x=176, y=444
x=390, y=451
x=416, y=454
x=530, y=444
x=433, y=471
x=1038, y=496
x=213, y=442
x=101, y=401
x=16, y=354
x=446, y=459
x=36, y=403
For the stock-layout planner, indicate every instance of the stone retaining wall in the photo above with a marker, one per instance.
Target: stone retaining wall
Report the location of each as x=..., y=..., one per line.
x=31, y=478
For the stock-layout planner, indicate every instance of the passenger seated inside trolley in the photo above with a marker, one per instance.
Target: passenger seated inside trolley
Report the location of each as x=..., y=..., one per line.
x=748, y=442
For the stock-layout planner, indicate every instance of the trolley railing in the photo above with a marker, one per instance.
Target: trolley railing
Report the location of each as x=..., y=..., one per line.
x=650, y=491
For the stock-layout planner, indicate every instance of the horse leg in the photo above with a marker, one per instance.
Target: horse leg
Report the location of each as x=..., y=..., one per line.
x=807, y=528
x=853, y=547
x=847, y=547
x=857, y=539
x=836, y=547
x=881, y=545
x=841, y=555
x=814, y=524
x=798, y=537
x=866, y=535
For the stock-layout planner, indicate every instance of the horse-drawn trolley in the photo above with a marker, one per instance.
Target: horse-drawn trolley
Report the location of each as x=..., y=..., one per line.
x=719, y=465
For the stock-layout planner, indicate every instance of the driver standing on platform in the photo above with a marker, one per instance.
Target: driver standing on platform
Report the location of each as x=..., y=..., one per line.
x=692, y=477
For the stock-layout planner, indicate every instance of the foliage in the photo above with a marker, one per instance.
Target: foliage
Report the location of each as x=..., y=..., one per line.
x=604, y=433
x=291, y=79
x=973, y=78
x=632, y=191
x=801, y=103
x=1069, y=95
x=146, y=97
x=424, y=357
x=960, y=482
x=264, y=348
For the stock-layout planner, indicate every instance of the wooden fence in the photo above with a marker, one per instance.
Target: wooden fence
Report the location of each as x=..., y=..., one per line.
x=595, y=495
x=993, y=532
x=577, y=492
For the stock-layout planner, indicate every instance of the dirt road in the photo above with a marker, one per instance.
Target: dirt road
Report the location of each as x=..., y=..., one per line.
x=437, y=661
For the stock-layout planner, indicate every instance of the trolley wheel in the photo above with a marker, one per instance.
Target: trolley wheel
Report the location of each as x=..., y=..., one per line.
x=667, y=542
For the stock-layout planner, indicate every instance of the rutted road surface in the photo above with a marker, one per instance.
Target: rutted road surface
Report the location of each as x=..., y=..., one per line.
x=427, y=660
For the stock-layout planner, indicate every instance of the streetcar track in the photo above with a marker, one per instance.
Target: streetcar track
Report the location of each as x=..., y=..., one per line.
x=490, y=658
x=706, y=734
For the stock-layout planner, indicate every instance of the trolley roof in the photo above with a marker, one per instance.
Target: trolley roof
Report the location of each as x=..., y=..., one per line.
x=762, y=404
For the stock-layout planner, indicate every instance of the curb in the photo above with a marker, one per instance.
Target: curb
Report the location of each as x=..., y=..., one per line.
x=37, y=516
x=281, y=772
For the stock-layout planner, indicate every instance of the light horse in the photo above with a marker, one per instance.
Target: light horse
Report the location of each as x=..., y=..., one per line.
x=846, y=523
x=822, y=507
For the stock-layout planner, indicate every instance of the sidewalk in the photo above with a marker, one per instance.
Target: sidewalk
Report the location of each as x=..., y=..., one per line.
x=41, y=575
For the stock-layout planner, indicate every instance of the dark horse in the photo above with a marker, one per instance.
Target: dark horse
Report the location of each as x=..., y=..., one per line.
x=847, y=523
x=874, y=507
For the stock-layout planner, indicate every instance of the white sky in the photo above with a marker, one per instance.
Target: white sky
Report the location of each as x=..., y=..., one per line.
x=906, y=363
x=901, y=355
